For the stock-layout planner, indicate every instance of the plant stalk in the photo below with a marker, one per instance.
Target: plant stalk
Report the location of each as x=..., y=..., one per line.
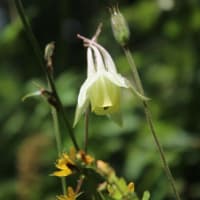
x=39, y=55
x=58, y=141
x=86, y=129
x=148, y=115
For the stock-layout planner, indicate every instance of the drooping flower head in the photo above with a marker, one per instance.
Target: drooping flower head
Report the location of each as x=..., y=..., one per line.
x=102, y=88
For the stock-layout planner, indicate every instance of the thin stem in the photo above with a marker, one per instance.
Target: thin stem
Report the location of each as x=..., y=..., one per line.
x=139, y=87
x=55, y=118
x=101, y=196
x=134, y=70
x=79, y=184
x=58, y=142
x=39, y=55
x=56, y=130
x=86, y=129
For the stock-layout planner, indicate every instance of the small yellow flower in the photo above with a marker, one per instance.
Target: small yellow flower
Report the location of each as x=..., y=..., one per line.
x=85, y=158
x=131, y=187
x=65, y=166
x=71, y=195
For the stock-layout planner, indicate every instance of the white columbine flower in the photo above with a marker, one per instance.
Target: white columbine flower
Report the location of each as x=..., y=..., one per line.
x=102, y=88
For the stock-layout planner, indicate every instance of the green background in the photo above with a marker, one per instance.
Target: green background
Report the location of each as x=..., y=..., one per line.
x=165, y=41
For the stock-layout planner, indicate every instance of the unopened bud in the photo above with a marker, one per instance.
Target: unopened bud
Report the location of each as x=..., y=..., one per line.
x=49, y=49
x=131, y=187
x=119, y=26
x=48, y=53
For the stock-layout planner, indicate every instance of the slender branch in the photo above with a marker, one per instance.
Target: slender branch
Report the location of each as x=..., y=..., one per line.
x=79, y=184
x=86, y=129
x=139, y=87
x=136, y=77
x=101, y=195
x=58, y=142
x=49, y=49
x=39, y=55
x=56, y=130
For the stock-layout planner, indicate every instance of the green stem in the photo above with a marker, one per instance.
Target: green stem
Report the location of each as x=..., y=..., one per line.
x=39, y=55
x=58, y=142
x=139, y=87
x=56, y=130
x=101, y=196
x=86, y=129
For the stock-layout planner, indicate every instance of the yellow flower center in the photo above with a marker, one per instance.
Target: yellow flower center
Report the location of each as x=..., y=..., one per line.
x=104, y=96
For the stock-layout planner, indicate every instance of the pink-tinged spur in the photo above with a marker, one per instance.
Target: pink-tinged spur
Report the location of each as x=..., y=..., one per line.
x=102, y=88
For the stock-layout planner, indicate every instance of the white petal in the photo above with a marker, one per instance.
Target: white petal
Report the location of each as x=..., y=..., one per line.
x=123, y=82
x=99, y=60
x=117, y=79
x=110, y=65
x=90, y=62
x=79, y=112
x=138, y=94
x=83, y=98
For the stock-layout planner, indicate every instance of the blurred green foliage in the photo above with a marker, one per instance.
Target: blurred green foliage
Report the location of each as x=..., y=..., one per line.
x=165, y=43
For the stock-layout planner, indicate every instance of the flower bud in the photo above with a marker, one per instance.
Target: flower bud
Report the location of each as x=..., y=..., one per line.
x=119, y=27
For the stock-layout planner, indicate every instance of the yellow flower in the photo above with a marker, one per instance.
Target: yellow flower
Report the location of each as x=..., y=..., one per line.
x=85, y=158
x=71, y=195
x=131, y=187
x=65, y=166
x=102, y=88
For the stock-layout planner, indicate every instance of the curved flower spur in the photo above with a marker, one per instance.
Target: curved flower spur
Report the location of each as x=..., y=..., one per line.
x=102, y=88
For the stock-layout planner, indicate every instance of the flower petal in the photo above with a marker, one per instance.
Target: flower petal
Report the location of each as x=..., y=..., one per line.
x=123, y=82
x=117, y=79
x=83, y=100
x=138, y=94
x=104, y=96
x=62, y=173
x=61, y=166
x=99, y=60
x=110, y=65
x=71, y=193
x=90, y=62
